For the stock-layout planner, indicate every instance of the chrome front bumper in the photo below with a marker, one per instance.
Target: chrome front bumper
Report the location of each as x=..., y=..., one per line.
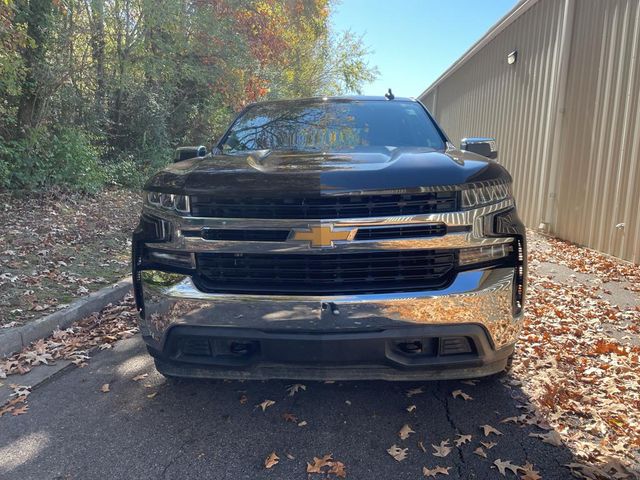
x=479, y=298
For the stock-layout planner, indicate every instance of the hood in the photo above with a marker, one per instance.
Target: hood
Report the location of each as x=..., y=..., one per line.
x=270, y=173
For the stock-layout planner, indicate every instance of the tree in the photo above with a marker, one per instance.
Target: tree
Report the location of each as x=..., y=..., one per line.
x=132, y=79
x=36, y=16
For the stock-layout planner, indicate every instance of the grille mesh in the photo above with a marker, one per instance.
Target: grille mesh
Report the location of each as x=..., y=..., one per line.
x=326, y=273
x=330, y=207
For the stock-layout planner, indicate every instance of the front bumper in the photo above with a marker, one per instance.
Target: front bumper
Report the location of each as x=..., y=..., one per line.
x=374, y=336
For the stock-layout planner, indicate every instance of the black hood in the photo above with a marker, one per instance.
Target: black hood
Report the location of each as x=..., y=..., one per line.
x=270, y=173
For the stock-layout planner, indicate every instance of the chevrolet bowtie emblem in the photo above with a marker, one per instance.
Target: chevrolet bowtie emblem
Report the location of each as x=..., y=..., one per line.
x=323, y=236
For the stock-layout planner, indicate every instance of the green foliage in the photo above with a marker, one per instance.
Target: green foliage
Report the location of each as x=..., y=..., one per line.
x=42, y=159
x=4, y=166
x=127, y=170
x=97, y=91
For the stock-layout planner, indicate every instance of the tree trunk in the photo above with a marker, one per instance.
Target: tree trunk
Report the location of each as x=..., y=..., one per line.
x=98, y=54
x=36, y=15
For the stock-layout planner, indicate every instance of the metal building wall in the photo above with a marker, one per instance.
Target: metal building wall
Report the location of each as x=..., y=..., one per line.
x=488, y=97
x=566, y=115
x=599, y=174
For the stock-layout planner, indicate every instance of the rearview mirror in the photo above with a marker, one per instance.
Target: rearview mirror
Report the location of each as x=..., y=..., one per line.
x=185, y=153
x=480, y=145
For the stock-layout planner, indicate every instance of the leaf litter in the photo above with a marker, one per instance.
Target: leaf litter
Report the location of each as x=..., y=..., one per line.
x=578, y=359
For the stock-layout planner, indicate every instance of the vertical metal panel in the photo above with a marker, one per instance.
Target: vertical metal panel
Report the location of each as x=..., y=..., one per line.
x=579, y=145
x=600, y=177
x=488, y=97
x=430, y=101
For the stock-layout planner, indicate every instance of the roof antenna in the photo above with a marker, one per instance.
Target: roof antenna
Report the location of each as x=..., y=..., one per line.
x=389, y=95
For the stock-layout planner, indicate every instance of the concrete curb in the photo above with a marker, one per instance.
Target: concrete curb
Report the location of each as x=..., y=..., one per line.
x=36, y=377
x=15, y=339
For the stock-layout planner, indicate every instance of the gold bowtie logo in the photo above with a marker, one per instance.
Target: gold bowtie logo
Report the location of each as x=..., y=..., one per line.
x=323, y=236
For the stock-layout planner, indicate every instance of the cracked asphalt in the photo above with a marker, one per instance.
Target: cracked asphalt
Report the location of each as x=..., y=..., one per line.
x=200, y=429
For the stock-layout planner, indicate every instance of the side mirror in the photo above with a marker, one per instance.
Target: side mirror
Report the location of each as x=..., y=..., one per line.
x=184, y=153
x=480, y=145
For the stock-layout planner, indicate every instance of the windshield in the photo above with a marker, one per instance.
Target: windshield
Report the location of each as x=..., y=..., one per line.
x=332, y=125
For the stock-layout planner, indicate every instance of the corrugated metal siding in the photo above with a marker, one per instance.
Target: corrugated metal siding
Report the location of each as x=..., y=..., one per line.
x=488, y=97
x=430, y=102
x=599, y=185
x=596, y=131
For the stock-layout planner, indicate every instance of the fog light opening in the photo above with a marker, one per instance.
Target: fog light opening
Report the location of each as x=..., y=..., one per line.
x=455, y=346
x=242, y=348
x=412, y=347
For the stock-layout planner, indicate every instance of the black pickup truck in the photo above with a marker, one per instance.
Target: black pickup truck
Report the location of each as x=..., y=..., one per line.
x=331, y=238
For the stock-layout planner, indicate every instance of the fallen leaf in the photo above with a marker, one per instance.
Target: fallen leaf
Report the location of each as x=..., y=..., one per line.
x=12, y=404
x=338, y=470
x=137, y=378
x=433, y=472
x=302, y=423
x=38, y=358
x=506, y=465
x=516, y=420
x=460, y=393
x=319, y=463
x=441, y=450
x=289, y=456
x=271, y=460
x=20, y=410
x=399, y=454
x=488, y=429
x=462, y=439
x=479, y=451
x=405, y=431
x=421, y=447
x=552, y=438
x=415, y=391
x=266, y=404
x=290, y=417
x=529, y=472
x=295, y=388
x=104, y=388
x=411, y=408
x=20, y=390
x=152, y=395
x=488, y=445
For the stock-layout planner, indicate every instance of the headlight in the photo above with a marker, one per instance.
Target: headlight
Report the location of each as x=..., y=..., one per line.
x=485, y=195
x=168, y=201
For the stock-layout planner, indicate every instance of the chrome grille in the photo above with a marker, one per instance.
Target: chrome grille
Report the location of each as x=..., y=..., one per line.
x=281, y=235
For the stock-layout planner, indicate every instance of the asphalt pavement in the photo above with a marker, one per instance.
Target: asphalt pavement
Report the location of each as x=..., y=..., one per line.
x=195, y=429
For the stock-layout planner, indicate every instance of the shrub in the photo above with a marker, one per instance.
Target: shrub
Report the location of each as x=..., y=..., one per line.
x=131, y=170
x=4, y=166
x=65, y=158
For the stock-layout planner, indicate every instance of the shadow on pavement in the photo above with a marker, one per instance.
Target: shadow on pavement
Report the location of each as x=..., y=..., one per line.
x=213, y=429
